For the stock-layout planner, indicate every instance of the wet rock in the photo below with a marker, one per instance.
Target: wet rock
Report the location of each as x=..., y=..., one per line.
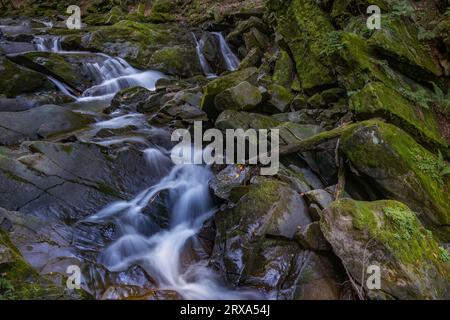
x=26, y=102
x=283, y=73
x=243, y=97
x=70, y=181
x=69, y=68
x=132, y=100
x=16, y=80
x=245, y=26
x=311, y=237
x=39, y=122
x=227, y=179
x=252, y=59
x=387, y=234
x=280, y=99
x=13, y=47
x=320, y=197
x=270, y=208
x=396, y=166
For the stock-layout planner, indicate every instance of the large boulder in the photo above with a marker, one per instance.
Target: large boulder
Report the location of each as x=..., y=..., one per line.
x=213, y=88
x=243, y=97
x=305, y=28
x=39, y=122
x=167, y=48
x=388, y=235
x=396, y=167
x=16, y=80
x=376, y=99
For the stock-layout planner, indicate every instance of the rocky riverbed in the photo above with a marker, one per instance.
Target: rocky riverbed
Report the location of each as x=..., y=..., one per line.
x=86, y=178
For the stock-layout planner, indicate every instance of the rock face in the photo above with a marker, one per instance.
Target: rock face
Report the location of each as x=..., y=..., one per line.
x=39, y=122
x=387, y=234
x=401, y=169
x=16, y=80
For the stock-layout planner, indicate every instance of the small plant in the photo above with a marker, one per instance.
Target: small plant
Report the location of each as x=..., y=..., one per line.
x=425, y=34
x=334, y=44
x=419, y=97
x=443, y=165
x=442, y=99
x=403, y=221
x=6, y=289
x=403, y=9
x=444, y=255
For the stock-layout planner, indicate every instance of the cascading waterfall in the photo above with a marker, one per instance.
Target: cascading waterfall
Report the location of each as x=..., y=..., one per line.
x=207, y=70
x=160, y=252
x=231, y=60
x=110, y=74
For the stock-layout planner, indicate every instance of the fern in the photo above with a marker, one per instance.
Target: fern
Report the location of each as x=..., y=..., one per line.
x=442, y=99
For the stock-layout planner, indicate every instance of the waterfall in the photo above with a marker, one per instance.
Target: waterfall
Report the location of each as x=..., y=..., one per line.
x=203, y=62
x=230, y=58
x=110, y=75
x=48, y=43
x=161, y=252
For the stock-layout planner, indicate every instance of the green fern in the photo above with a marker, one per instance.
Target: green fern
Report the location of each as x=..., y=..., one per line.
x=442, y=99
x=443, y=165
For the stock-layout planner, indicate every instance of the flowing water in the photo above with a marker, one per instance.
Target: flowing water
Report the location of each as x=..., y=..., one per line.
x=161, y=253
x=171, y=255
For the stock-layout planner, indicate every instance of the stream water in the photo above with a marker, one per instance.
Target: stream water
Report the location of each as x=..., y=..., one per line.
x=172, y=255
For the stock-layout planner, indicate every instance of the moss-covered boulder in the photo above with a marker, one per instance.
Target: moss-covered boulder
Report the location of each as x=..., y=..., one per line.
x=213, y=88
x=68, y=68
x=18, y=280
x=243, y=97
x=393, y=164
x=268, y=207
x=16, y=80
x=305, y=28
x=376, y=99
x=399, y=41
x=284, y=72
x=165, y=47
x=387, y=234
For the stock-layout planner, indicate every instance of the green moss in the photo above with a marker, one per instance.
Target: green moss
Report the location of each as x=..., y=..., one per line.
x=376, y=99
x=305, y=27
x=283, y=74
x=390, y=156
x=177, y=61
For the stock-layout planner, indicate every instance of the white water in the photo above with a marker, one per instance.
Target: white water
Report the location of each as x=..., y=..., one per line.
x=161, y=252
x=110, y=74
x=231, y=60
x=207, y=70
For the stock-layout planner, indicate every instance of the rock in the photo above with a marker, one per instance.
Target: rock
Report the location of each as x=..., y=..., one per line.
x=16, y=80
x=133, y=99
x=242, y=97
x=299, y=22
x=388, y=235
x=399, y=41
x=280, y=99
x=167, y=48
x=377, y=99
x=283, y=73
x=311, y=237
x=20, y=280
x=245, y=26
x=285, y=272
x=161, y=11
x=268, y=207
x=252, y=59
x=13, y=47
x=396, y=167
x=39, y=122
x=227, y=179
x=212, y=52
x=68, y=68
x=221, y=84
x=71, y=180
x=320, y=197
x=30, y=101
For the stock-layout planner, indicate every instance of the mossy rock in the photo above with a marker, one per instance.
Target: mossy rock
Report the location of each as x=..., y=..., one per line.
x=376, y=99
x=243, y=97
x=213, y=88
x=16, y=80
x=397, y=167
x=283, y=74
x=399, y=41
x=19, y=281
x=305, y=28
x=176, y=60
x=387, y=234
x=268, y=207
